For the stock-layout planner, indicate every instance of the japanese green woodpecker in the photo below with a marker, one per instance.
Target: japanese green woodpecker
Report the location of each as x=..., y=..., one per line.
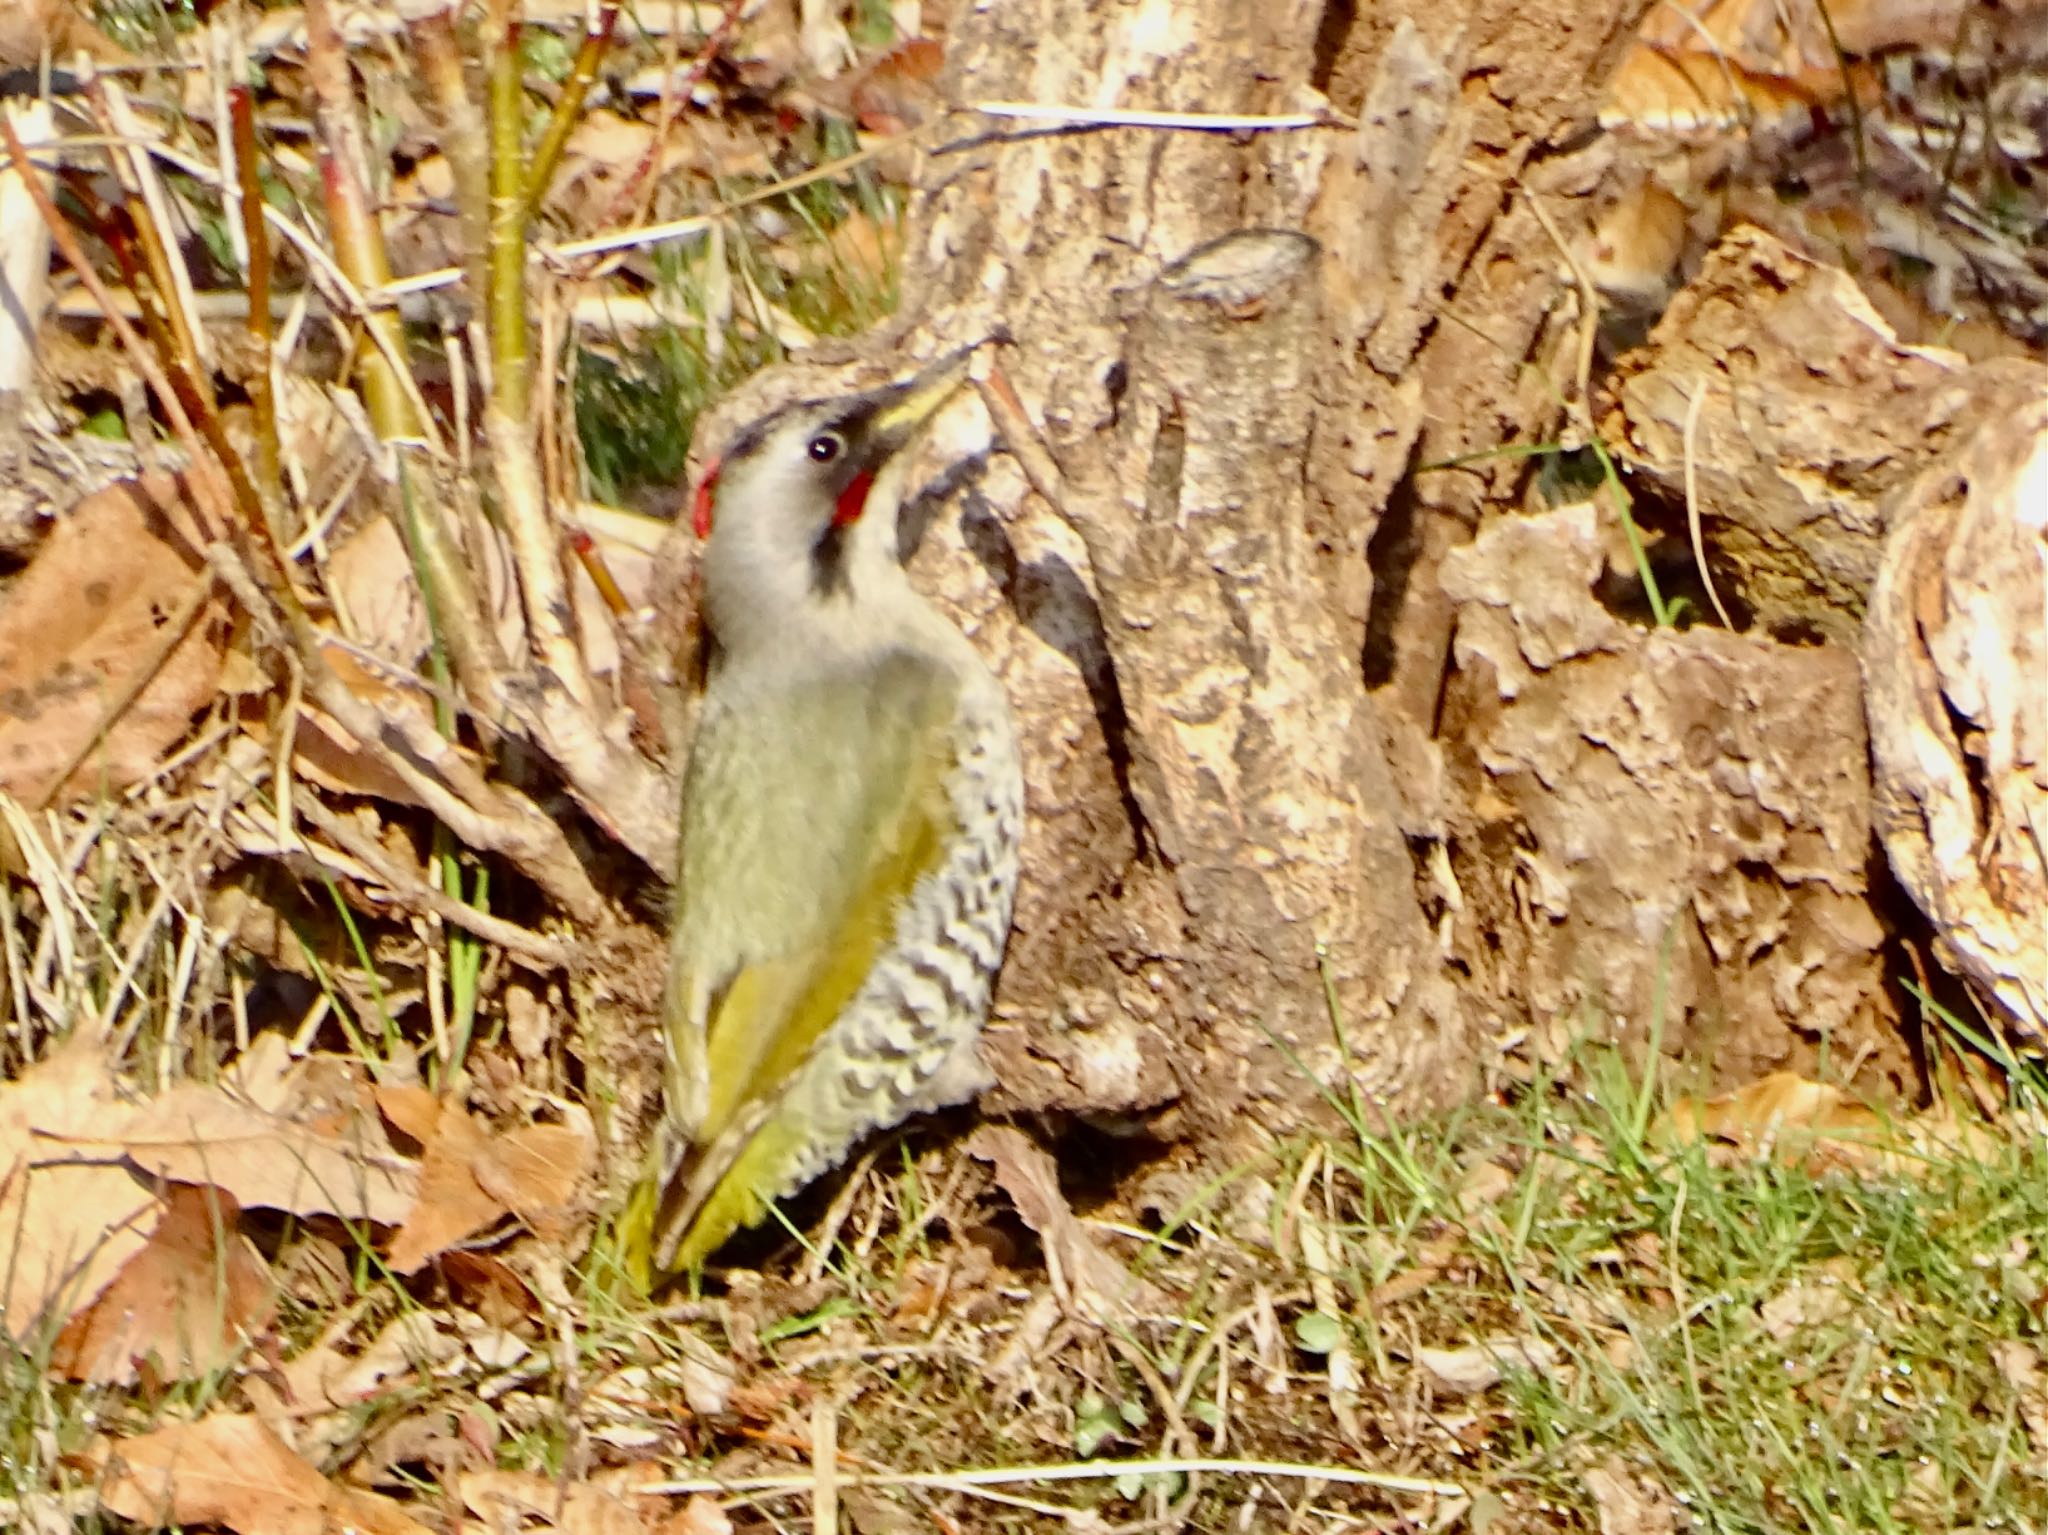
x=850, y=820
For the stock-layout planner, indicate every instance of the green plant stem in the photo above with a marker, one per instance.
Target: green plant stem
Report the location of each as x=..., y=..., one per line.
x=510, y=365
x=568, y=111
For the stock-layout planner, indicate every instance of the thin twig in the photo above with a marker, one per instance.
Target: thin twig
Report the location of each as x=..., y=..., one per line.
x=1589, y=299
x=824, y=1466
x=256, y=242
x=673, y=89
x=1692, y=500
x=358, y=242
x=1123, y=117
x=1020, y=435
x=208, y=474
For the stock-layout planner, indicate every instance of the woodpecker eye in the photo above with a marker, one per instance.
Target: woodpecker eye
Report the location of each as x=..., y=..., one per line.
x=825, y=447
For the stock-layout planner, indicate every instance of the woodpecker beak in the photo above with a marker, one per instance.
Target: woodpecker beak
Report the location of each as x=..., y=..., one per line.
x=888, y=419
x=900, y=411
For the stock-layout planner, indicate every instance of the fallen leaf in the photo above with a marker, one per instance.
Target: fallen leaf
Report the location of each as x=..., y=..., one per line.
x=1090, y=1280
x=231, y=1470
x=32, y=30
x=67, y=1225
x=1801, y=1305
x=1480, y=1366
x=489, y=1287
x=370, y=579
x=452, y=1206
x=90, y=611
x=1627, y=1503
x=1799, y=1121
x=470, y=1179
x=2019, y=1366
x=332, y=1375
x=604, y=1505
x=898, y=91
x=188, y=1301
x=536, y=1171
x=699, y=1516
x=337, y=1163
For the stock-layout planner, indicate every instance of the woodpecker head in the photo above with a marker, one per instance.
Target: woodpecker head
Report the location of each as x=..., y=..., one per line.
x=799, y=511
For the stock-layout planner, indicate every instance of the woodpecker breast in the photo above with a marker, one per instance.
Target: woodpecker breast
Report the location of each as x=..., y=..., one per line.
x=909, y=1041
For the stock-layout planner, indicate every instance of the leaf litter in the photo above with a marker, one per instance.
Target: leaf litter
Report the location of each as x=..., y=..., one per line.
x=1206, y=1329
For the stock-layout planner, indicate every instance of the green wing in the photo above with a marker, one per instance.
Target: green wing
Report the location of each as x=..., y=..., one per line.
x=812, y=817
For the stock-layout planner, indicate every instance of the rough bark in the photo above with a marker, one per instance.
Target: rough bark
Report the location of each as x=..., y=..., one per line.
x=1955, y=662
x=1674, y=829
x=1814, y=416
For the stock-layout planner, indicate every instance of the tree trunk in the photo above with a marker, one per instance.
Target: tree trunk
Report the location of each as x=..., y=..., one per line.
x=1207, y=567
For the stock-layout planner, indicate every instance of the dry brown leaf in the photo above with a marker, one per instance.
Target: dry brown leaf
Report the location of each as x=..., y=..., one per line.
x=1776, y=38
x=67, y=1225
x=1664, y=91
x=81, y=622
x=231, y=1470
x=1480, y=1366
x=334, y=1373
x=1428, y=1267
x=898, y=91
x=370, y=578
x=188, y=1301
x=332, y=1162
x=1803, y=1304
x=1629, y=1504
x=327, y=755
x=452, y=1206
x=2019, y=1366
x=34, y=30
x=699, y=1516
x=470, y=1179
x=860, y=244
x=489, y=1287
x=412, y=1108
x=1797, y=1120
x=1089, y=1279
x=605, y=1505
x=536, y=1171
x=1781, y=1101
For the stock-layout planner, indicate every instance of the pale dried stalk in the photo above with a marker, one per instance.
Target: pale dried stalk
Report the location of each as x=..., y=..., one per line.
x=138, y=176
x=486, y=816
x=410, y=891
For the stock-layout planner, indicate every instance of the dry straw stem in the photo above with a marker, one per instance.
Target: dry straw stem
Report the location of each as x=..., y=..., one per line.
x=1692, y=501
x=1073, y=1471
x=410, y=891
x=673, y=90
x=480, y=813
x=486, y=816
x=256, y=242
x=569, y=108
